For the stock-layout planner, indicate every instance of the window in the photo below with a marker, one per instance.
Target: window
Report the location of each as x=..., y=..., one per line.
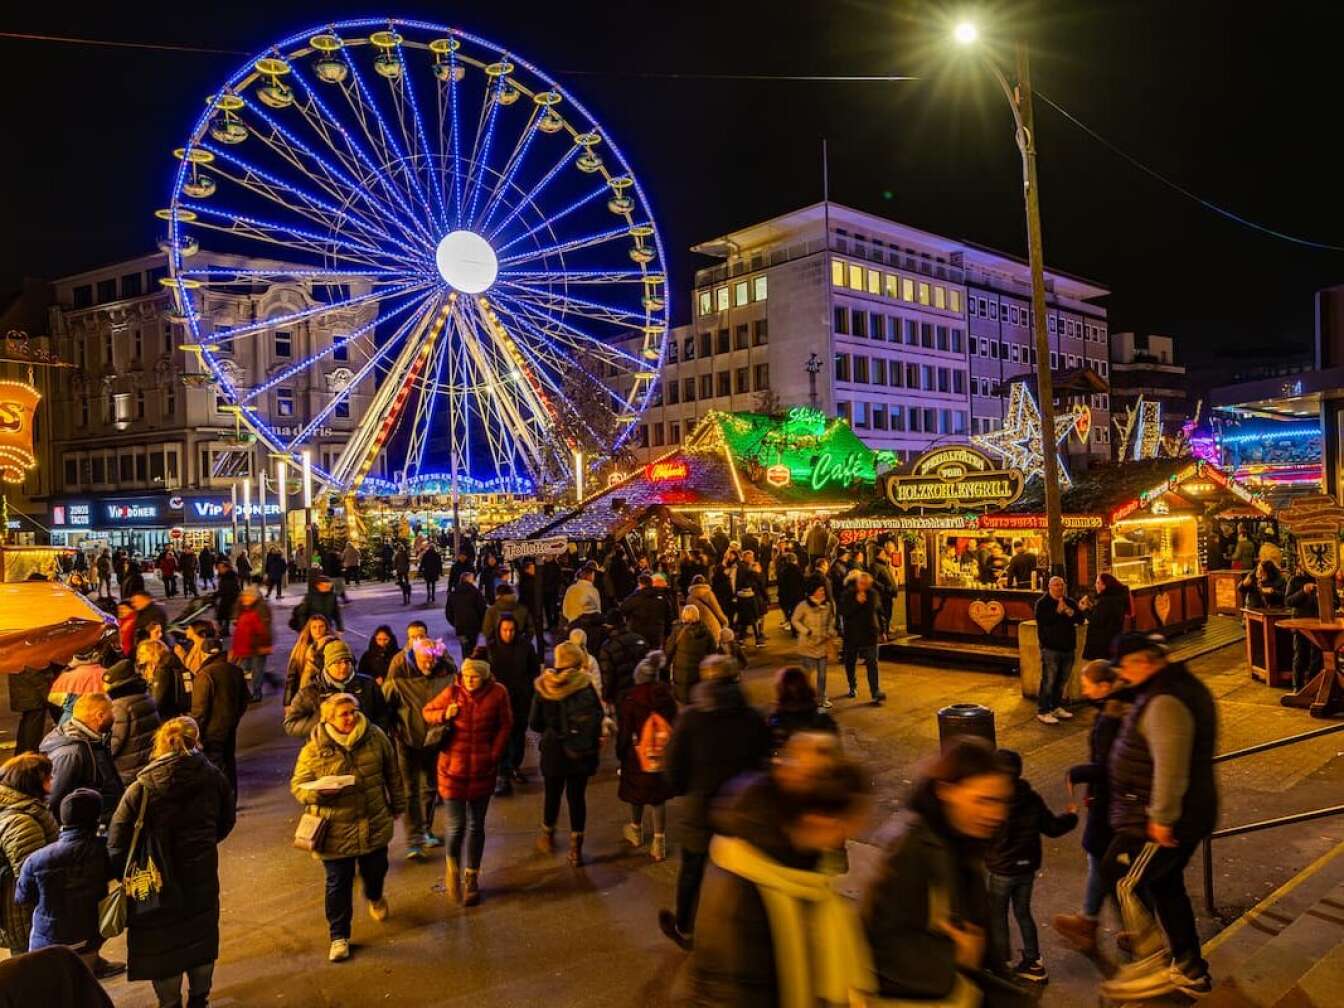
x=97, y=470
x=842, y=367
x=911, y=332
x=740, y=293
x=706, y=303
x=994, y=310
x=721, y=345
x=706, y=386
x=926, y=334
x=131, y=285
x=342, y=410
x=907, y=289
x=284, y=343
x=725, y=383
x=107, y=290
x=944, y=380
x=658, y=435
x=156, y=466
x=879, y=370
x=874, y=282
x=759, y=288
x=855, y=277
x=942, y=337
x=861, y=415
x=706, y=343
x=956, y=341
x=341, y=351
x=954, y=299
x=923, y=293
x=993, y=349
x=1050, y=323
x=84, y=411
x=284, y=402
x=721, y=299
x=877, y=325
x=897, y=374
x=137, y=344
x=688, y=390
x=1072, y=360
x=927, y=377
x=842, y=410
x=643, y=435
x=125, y=468
x=71, y=471
x=858, y=323
x=674, y=432
x=1012, y=353
x=672, y=349
x=916, y=419
x=1054, y=360
x=760, y=332
x=898, y=418
x=939, y=296
x=841, y=320
x=959, y=382
x=959, y=422
x=912, y=376
x=762, y=377
x=742, y=380
x=740, y=337
x=970, y=307
x=107, y=349
x=1102, y=368
x=930, y=421
x=837, y=273
x=879, y=417
x=861, y=369
x=891, y=285
x=82, y=296
x=672, y=390
x=140, y=405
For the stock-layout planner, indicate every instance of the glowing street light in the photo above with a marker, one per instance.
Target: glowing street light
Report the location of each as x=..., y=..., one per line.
x=966, y=33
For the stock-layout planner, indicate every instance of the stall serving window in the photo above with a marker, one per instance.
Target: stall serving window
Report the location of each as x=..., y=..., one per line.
x=1155, y=548
x=989, y=561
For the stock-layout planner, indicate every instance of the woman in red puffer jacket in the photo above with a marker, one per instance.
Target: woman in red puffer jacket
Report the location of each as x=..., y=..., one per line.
x=476, y=709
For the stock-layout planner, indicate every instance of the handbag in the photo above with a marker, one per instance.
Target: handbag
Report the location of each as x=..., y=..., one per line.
x=437, y=735
x=311, y=832
x=140, y=882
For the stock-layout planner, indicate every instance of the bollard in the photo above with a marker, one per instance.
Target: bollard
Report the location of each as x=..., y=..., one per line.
x=965, y=719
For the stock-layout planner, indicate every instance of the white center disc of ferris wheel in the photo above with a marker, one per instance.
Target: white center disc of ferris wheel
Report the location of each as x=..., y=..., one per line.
x=466, y=262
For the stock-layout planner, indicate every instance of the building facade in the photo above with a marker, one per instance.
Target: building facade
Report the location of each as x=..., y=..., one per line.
x=141, y=441
x=909, y=335
x=1145, y=365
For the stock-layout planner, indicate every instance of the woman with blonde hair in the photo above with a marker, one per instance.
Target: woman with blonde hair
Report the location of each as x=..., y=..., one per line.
x=187, y=807
x=359, y=811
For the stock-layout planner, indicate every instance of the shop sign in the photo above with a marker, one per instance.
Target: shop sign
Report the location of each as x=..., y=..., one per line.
x=72, y=514
x=831, y=469
x=1007, y=522
x=175, y=533
x=512, y=549
x=218, y=510
x=955, y=477
x=18, y=403
x=806, y=416
x=666, y=472
x=778, y=476
x=1315, y=520
x=131, y=511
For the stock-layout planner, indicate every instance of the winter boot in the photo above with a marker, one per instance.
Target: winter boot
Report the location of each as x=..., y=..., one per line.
x=546, y=840
x=576, y=849
x=1080, y=932
x=634, y=834
x=452, y=879
x=471, y=891
x=658, y=849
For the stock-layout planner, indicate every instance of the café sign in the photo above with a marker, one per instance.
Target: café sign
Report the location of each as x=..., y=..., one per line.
x=953, y=478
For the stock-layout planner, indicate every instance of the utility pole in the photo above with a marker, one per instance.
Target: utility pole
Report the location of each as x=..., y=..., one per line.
x=813, y=368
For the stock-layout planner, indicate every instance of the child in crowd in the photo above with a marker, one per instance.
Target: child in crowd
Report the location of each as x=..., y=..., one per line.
x=1013, y=859
x=1102, y=686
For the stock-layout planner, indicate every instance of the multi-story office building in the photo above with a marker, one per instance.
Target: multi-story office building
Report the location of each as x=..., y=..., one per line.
x=1145, y=365
x=142, y=442
x=909, y=335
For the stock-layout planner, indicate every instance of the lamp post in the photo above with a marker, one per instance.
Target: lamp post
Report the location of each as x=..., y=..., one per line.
x=813, y=368
x=1019, y=101
x=281, y=481
x=307, y=512
x=261, y=510
x=247, y=518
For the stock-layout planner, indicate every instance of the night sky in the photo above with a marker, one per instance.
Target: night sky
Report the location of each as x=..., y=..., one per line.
x=1238, y=109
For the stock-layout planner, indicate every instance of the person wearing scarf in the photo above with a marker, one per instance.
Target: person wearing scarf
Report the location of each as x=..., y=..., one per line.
x=771, y=930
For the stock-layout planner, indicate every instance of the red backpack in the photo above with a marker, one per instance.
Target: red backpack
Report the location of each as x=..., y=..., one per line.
x=652, y=744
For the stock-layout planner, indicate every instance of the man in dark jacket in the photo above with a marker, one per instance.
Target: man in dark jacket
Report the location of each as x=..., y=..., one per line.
x=147, y=614
x=646, y=612
x=460, y=566
x=80, y=757
x=884, y=577
x=275, y=569
x=1301, y=599
x=859, y=610
x=551, y=581
x=218, y=702
x=1013, y=860
x=28, y=690
x=135, y=719
x=718, y=737
x=622, y=650
x=1164, y=802
x=229, y=587
x=514, y=664
x=1021, y=566
x=465, y=611
x=336, y=676
x=428, y=672
x=1057, y=615
x=322, y=600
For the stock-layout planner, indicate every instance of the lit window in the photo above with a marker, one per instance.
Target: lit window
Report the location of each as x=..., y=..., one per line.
x=837, y=273
x=706, y=303
x=939, y=296
x=855, y=277
x=284, y=402
x=759, y=288
x=891, y=285
x=923, y=293
x=954, y=300
x=721, y=298
x=907, y=289
x=740, y=293
x=874, y=282
x=861, y=415
x=284, y=343
x=842, y=367
x=1012, y=353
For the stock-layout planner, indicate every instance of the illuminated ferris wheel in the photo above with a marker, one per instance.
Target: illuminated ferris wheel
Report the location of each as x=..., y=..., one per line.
x=477, y=238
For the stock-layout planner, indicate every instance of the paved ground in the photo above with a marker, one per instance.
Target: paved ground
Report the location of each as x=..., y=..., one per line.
x=548, y=934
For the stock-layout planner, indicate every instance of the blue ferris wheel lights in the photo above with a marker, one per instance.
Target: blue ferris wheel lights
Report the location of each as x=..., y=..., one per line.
x=502, y=186
x=579, y=203
x=568, y=246
x=435, y=188
x=528, y=199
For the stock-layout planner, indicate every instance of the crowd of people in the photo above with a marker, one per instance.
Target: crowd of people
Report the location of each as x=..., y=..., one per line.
x=644, y=668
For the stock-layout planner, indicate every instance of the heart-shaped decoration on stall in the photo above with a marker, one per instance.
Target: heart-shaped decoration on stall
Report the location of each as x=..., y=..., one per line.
x=1162, y=606
x=986, y=615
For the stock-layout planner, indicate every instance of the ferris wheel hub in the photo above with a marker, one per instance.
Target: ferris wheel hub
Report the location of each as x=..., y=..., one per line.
x=466, y=262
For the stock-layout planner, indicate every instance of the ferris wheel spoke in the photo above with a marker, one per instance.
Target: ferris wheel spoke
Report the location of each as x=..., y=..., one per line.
x=481, y=164
x=568, y=304
x=573, y=245
x=354, y=162
x=452, y=161
x=547, y=326
x=558, y=216
x=529, y=199
x=551, y=363
x=403, y=91
x=320, y=248
x=382, y=318
x=511, y=166
x=424, y=414
x=473, y=331
x=228, y=335
x=568, y=277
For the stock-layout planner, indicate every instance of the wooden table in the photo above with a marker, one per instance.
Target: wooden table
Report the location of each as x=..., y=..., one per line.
x=1269, y=645
x=1324, y=695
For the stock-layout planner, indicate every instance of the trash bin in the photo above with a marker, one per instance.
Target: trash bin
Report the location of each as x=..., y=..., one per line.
x=965, y=719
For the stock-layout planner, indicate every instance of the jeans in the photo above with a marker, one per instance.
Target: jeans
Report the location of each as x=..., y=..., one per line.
x=689, y=877
x=852, y=654
x=418, y=774
x=1055, y=668
x=1307, y=660
x=575, y=789
x=276, y=585
x=1149, y=882
x=516, y=748
x=254, y=669
x=658, y=814
x=189, y=585
x=819, y=664
x=431, y=590
x=466, y=819
x=1094, y=892
x=169, y=989
x=341, y=887
x=1014, y=890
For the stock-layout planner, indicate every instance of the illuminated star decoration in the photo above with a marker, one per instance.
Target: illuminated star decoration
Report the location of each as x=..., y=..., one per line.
x=1018, y=441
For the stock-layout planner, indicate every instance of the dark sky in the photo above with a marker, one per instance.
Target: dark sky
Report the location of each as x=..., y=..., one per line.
x=1241, y=109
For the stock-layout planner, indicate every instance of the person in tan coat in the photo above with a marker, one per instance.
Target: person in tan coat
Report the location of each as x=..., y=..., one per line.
x=711, y=612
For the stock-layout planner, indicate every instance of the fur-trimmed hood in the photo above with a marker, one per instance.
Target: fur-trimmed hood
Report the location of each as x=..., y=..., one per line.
x=556, y=685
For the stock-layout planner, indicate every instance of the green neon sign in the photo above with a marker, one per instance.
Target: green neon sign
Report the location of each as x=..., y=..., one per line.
x=843, y=470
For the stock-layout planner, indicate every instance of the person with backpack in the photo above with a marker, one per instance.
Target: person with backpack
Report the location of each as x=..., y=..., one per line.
x=79, y=754
x=169, y=679
x=647, y=714
x=690, y=643
x=465, y=611
x=26, y=825
x=567, y=714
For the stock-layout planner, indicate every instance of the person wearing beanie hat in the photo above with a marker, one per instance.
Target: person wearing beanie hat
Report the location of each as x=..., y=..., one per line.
x=135, y=719
x=645, y=716
x=567, y=714
x=337, y=675
x=477, y=708
x=66, y=879
x=219, y=698
x=730, y=648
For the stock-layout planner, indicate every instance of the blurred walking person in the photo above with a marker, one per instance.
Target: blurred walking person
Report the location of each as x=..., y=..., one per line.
x=813, y=623
x=408, y=689
x=646, y=715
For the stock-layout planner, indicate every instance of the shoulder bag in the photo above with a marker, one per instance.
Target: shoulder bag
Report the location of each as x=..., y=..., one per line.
x=311, y=832
x=142, y=883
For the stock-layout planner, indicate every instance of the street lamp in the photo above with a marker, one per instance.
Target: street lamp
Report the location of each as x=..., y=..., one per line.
x=307, y=512
x=1019, y=100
